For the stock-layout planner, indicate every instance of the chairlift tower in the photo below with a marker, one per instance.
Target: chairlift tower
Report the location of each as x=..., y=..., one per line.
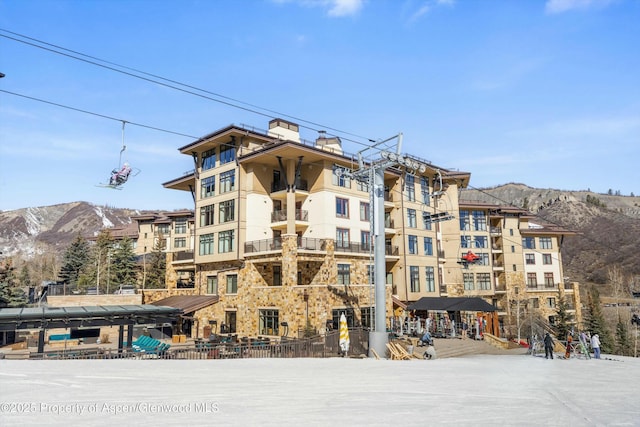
x=372, y=162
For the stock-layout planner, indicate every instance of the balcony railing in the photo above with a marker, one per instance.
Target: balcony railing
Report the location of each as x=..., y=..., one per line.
x=182, y=256
x=301, y=184
x=281, y=215
x=542, y=286
x=495, y=231
x=312, y=244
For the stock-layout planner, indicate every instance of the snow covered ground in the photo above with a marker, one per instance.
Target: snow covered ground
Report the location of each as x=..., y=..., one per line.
x=484, y=390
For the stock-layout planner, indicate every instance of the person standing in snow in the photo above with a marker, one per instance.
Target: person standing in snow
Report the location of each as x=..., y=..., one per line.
x=548, y=346
x=595, y=345
x=567, y=353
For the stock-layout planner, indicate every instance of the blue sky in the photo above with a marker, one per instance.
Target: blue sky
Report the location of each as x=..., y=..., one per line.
x=546, y=93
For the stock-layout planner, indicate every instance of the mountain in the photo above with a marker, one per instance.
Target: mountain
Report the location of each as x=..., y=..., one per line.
x=608, y=227
x=28, y=232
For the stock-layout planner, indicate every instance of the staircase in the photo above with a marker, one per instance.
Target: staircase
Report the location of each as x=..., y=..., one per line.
x=457, y=347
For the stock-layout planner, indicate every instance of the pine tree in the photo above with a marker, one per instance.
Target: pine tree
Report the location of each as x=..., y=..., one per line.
x=563, y=319
x=623, y=343
x=74, y=261
x=11, y=294
x=595, y=323
x=157, y=268
x=123, y=263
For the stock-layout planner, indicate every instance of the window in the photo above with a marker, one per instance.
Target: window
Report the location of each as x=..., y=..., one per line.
x=545, y=243
x=413, y=245
x=484, y=281
x=227, y=181
x=232, y=283
x=546, y=259
x=340, y=179
x=181, y=226
x=469, y=284
x=410, y=187
x=365, y=211
x=513, y=248
x=180, y=242
x=480, y=242
x=227, y=154
x=342, y=207
x=528, y=243
x=226, y=241
x=551, y=302
x=411, y=218
x=164, y=229
x=212, y=285
x=430, y=279
x=484, y=259
x=428, y=246
x=511, y=232
x=424, y=189
x=269, y=321
x=227, y=211
x=548, y=280
x=209, y=159
x=465, y=241
x=277, y=275
x=344, y=274
x=342, y=238
x=465, y=225
x=362, y=186
x=208, y=187
x=366, y=314
x=365, y=240
x=414, y=277
x=479, y=220
x=535, y=302
x=530, y=259
x=206, y=244
x=426, y=221
x=206, y=215
x=335, y=317
x=532, y=280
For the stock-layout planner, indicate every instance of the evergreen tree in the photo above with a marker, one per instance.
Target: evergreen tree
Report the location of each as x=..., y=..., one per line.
x=74, y=261
x=123, y=263
x=563, y=319
x=11, y=294
x=623, y=343
x=156, y=269
x=594, y=321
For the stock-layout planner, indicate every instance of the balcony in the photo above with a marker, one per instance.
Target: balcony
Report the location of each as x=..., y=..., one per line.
x=301, y=185
x=495, y=231
x=542, y=287
x=182, y=256
x=281, y=215
x=275, y=244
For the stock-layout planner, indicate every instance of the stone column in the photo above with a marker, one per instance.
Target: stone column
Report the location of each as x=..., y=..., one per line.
x=289, y=259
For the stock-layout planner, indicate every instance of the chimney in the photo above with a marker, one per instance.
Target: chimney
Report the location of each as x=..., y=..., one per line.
x=332, y=144
x=285, y=130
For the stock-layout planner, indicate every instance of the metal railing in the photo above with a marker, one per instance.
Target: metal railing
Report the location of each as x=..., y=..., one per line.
x=317, y=346
x=542, y=286
x=182, y=256
x=281, y=215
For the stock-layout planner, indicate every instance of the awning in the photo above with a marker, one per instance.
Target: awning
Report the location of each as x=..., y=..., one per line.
x=188, y=303
x=84, y=316
x=451, y=304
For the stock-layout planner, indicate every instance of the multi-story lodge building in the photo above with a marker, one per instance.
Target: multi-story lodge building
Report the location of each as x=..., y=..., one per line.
x=279, y=237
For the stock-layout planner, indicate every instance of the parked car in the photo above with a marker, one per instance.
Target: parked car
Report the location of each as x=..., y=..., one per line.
x=92, y=291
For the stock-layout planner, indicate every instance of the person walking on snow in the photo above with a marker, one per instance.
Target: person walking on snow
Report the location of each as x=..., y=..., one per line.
x=548, y=346
x=595, y=345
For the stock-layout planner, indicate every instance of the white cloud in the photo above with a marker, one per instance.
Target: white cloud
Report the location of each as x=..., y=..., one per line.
x=560, y=6
x=337, y=8
x=345, y=7
x=426, y=7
